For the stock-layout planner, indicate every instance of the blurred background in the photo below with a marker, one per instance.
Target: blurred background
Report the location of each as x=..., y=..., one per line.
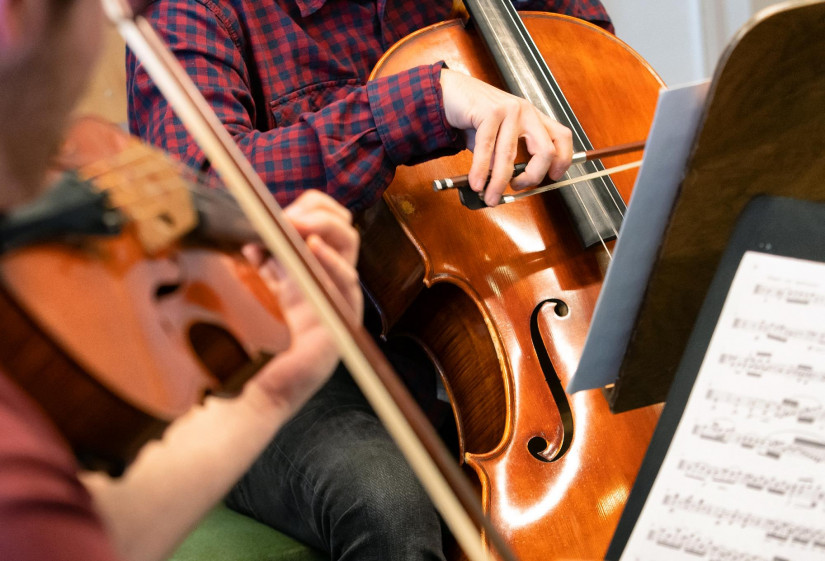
x=681, y=39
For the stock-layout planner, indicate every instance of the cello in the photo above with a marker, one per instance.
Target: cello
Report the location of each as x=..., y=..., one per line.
x=501, y=298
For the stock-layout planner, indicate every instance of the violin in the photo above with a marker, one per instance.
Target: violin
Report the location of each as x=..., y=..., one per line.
x=501, y=298
x=124, y=288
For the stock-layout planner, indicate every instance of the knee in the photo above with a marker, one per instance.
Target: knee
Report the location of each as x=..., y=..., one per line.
x=386, y=494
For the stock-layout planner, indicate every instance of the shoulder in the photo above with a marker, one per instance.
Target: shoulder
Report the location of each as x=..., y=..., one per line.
x=45, y=512
x=26, y=432
x=236, y=17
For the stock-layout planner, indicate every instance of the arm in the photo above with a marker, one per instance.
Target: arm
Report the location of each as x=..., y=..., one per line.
x=350, y=146
x=348, y=138
x=45, y=512
x=176, y=480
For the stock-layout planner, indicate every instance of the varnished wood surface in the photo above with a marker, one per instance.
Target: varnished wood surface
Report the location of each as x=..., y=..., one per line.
x=115, y=341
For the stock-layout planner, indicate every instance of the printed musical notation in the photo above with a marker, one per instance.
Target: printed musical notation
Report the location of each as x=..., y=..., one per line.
x=802, y=493
x=763, y=364
x=810, y=448
x=697, y=545
x=804, y=410
x=780, y=332
x=795, y=295
x=744, y=476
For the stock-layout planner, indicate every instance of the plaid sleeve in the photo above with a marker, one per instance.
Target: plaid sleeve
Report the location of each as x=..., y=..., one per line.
x=349, y=149
x=416, y=97
x=590, y=10
x=214, y=65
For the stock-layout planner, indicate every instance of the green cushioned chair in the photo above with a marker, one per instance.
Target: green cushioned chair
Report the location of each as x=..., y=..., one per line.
x=225, y=535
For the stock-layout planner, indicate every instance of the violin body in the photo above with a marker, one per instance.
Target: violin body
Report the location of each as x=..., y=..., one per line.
x=501, y=300
x=115, y=340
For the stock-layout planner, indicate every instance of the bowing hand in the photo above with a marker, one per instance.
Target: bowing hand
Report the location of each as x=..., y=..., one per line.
x=493, y=121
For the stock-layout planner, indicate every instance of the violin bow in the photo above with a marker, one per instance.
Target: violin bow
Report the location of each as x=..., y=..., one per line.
x=441, y=477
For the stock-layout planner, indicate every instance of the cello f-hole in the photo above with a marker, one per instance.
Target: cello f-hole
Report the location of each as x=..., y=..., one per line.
x=538, y=446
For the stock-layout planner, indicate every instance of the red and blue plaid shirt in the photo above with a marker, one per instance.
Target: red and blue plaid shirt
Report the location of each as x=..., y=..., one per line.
x=287, y=78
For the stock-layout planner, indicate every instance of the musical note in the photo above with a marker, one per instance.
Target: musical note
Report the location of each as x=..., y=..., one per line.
x=795, y=296
x=779, y=332
x=695, y=544
x=772, y=528
x=762, y=364
x=795, y=444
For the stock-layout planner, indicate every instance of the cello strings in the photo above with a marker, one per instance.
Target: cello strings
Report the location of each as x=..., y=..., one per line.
x=557, y=94
x=527, y=40
x=562, y=103
x=571, y=182
x=559, y=184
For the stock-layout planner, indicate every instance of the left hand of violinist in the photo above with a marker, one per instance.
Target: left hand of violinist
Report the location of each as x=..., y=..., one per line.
x=203, y=453
x=493, y=122
x=295, y=374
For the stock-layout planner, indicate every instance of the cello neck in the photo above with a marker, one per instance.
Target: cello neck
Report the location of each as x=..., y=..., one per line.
x=518, y=60
x=596, y=207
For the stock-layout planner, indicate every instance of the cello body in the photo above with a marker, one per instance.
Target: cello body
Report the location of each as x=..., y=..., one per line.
x=501, y=299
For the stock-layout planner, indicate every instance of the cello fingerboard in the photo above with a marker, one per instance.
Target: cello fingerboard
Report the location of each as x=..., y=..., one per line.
x=595, y=206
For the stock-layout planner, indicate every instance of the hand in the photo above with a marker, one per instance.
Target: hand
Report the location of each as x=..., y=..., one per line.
x=228, y=434
x=296, y=373
x=493, y=121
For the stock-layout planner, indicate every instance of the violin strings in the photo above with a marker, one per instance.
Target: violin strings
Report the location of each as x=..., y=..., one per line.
x=150, y=189
x=149, y=168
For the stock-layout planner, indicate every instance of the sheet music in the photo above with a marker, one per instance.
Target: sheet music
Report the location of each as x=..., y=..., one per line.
x=744, y=476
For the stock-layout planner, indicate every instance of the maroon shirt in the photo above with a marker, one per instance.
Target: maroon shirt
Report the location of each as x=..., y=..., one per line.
x=46, y=514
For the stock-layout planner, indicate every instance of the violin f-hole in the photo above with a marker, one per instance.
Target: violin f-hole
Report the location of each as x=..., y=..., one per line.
x=223, y=356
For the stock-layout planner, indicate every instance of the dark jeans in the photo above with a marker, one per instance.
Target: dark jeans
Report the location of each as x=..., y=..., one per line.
x=334, y=479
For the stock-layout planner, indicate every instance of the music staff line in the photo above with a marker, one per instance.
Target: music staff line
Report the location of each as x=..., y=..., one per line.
x=773, y=446
x=800, y=493
x=775, y=530
x=805, y=411
x=761, y=365
x=796, y=296
x=781, y=333
x=698, y=545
